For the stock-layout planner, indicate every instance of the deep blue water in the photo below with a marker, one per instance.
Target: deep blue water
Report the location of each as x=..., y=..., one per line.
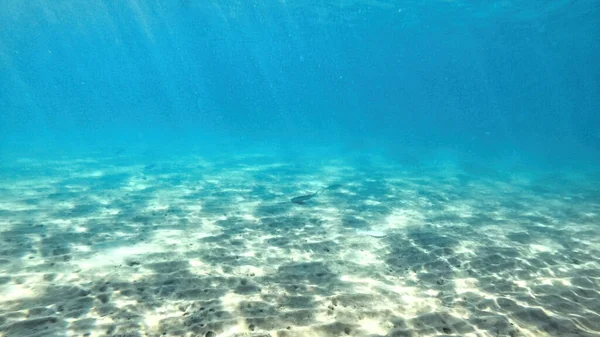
x=514, y=80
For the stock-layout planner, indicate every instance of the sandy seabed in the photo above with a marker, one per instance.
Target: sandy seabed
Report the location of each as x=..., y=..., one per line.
x=195, y=247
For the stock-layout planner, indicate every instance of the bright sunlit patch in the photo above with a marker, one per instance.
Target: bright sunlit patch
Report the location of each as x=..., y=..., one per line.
x=153, y=318
x=122, y=302
x=546, y=281
x=116, y=256
x=401, y=218
x=16, y=207
x=360, y=285
x=397, y=219
x=295, y=255
x=235, y=330
x=110, y=212
x=372, y=327
x=15, y=292
x=412, y=276
x=93, y=174
x=539, y=248
x=121, y=234
x=252, y=270
x=431, y=292
x=565, y=282
x=371, y=202
x=248, y=253
x=60, y=222
x=466, y=248
x=196, y=263
x=465, y=210
x=136, y=185
x=231, y=301
x=81, y=229
x=366, y=258
x=521, y=283
x=330, y=214
x=466, y=285
x=249, y=217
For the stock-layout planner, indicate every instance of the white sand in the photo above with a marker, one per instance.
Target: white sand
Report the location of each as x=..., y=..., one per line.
x=375, y=234
x=185, y=250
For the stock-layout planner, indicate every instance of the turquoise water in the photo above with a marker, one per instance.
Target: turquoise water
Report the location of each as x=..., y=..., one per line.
x=357, y=168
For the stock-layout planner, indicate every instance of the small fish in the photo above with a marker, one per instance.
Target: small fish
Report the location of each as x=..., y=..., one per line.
x=302, y=198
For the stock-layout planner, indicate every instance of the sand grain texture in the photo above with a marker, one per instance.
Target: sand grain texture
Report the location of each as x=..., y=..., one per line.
x=97, y=248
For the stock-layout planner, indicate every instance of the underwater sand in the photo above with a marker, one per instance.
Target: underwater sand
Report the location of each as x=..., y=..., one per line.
x=196, y=247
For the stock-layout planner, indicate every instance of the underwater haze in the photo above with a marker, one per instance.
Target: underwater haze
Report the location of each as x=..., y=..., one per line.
x=502, y=79
x=300, y=168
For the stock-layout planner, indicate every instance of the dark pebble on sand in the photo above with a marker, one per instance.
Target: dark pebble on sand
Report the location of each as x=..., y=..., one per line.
x=210, y=334
x=252, y=327
x=446, y=330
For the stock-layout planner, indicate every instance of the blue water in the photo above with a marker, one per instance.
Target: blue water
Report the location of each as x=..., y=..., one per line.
x=149, y=151
x=492, y=79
